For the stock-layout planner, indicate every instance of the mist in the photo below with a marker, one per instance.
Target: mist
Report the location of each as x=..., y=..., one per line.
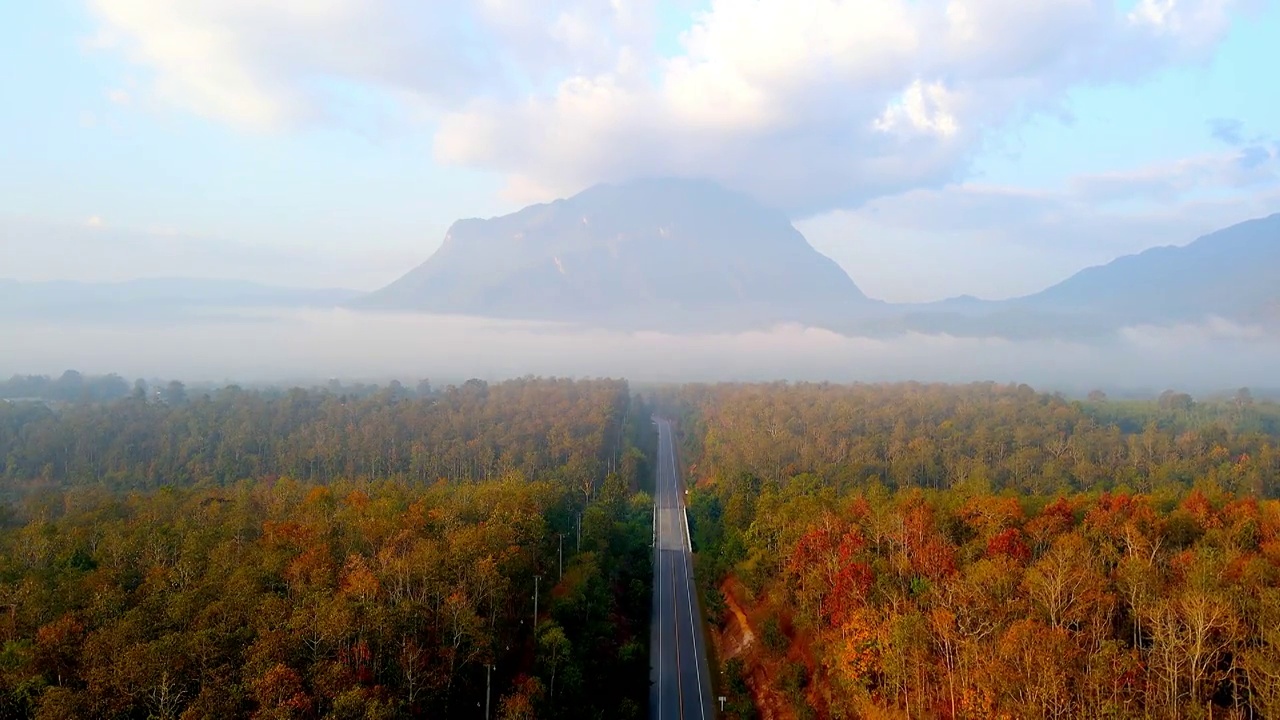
x=313, y=345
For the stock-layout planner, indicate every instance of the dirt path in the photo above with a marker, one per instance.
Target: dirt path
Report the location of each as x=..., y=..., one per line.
x=738, y=639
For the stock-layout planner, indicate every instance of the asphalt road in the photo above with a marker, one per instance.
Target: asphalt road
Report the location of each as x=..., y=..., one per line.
x=680, y=679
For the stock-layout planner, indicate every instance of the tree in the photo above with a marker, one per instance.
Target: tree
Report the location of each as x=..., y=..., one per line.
x=175, y=393
x=553, y=651
x=280, y=695
x=522, y=702
x=1243, y=398
x=1065, y=584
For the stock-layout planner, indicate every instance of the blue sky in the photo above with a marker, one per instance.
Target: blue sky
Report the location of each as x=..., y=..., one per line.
x=1163, y=118
x=185, y=141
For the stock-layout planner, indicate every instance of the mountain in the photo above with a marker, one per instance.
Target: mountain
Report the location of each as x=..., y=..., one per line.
x=153, y=298
x=689, y=255
x=652, y=254
x=1232, y=273
x=1229, y=274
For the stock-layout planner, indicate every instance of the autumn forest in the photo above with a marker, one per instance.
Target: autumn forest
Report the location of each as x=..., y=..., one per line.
x=987, y=551
x=484, y=550
x=309, y=554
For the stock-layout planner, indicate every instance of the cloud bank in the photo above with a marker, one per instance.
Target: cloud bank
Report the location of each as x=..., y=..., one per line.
x=314, y=346
x=810, y=106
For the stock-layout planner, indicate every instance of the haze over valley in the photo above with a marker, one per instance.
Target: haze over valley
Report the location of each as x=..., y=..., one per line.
x=673, y=280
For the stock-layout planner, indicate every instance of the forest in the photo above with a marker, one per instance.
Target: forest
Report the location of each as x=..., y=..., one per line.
x=985, y=551
x=862, y=551
x=306, y=554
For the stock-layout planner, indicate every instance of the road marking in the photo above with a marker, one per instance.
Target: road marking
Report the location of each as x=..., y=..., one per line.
x=688, y=585
x=675, y=615
x=693, y=628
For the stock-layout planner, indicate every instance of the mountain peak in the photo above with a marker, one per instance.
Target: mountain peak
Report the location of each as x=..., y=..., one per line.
x=657, y=253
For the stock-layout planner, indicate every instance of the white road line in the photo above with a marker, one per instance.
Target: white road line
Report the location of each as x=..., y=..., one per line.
x=674, y=616
x=693, y=628
x=657, y=567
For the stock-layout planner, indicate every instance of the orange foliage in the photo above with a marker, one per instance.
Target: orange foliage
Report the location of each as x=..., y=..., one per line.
x=1271, y=551
x=280, y=693
x=855, y=653
x=1199, y=507
x=930, y=554
x=65, y=630
x=358, y=580
x=285, y=534
x=318, y=495
x=1113, y=512
x=314, y=568
x=1010, y=544
x=1055, y=519
x=1245, y=508
x=849, y=595
x=989, y=515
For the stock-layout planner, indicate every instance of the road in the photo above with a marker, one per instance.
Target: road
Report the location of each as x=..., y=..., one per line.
x=680, y=679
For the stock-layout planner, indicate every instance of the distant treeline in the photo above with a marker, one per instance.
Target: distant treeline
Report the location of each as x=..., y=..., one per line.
x=555, y=429
x=71, y=386
x=1002, y=437
x=75, y=387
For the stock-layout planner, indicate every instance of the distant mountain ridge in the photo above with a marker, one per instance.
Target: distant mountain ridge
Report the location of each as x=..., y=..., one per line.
x=691, y=256
x=684, y=254
x=648, y=254
x=1232, y=273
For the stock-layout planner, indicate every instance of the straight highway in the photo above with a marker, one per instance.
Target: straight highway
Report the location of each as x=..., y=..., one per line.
x=680, y=678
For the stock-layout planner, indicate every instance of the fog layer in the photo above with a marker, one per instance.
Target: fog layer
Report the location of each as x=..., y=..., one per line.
x=315, y=345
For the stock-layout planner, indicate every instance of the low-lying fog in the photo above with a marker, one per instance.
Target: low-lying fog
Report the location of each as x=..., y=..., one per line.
x=315, y=345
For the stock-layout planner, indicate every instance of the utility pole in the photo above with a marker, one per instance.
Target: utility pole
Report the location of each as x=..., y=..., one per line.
x=488, y=670
x=561, y=556
x=579, y=532
x=536, y=578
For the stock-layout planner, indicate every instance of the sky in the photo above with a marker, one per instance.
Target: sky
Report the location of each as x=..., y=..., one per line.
x=984, y=147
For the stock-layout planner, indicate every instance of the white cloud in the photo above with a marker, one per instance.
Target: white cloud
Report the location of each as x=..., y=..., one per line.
x=826, y=104
x=94, y=221
x=1195, y=24
x=811, y=105
x=267, y=64
x=1250, y=166
x=922, y=109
